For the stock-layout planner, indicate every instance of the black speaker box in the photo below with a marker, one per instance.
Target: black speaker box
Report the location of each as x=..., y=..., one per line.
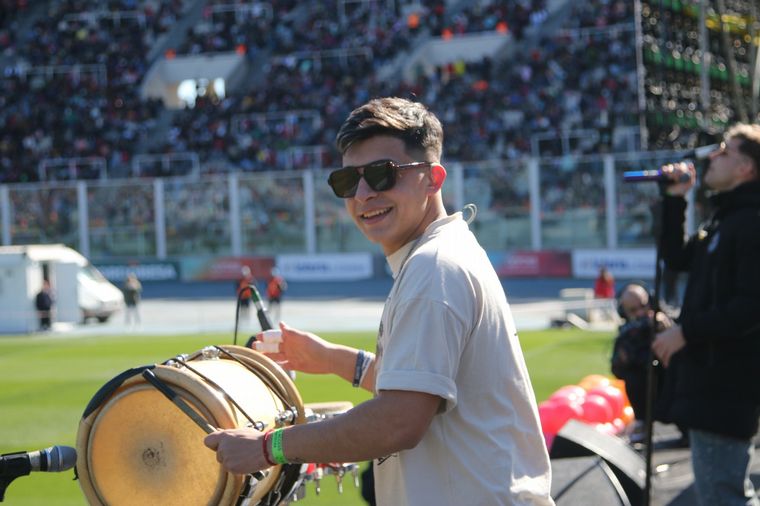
x=623, y=467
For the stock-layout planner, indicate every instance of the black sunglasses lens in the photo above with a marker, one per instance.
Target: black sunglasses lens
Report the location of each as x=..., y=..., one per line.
x=344, y=182
x=380, y=176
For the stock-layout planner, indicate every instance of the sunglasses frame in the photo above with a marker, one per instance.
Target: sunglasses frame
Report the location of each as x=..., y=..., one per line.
x=385, y=169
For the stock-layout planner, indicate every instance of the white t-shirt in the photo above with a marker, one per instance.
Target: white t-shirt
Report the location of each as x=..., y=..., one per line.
x=447, y=330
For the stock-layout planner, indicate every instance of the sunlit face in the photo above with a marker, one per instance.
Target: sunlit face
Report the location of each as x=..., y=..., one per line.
x=635, y=303
x=729, y=167
x=397, y=216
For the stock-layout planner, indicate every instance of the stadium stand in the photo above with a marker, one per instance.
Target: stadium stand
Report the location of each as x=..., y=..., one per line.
x=565, y=81
x=562, y=83
x=97, y=56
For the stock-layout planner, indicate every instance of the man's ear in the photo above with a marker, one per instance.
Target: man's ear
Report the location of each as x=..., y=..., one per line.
x=437, y=176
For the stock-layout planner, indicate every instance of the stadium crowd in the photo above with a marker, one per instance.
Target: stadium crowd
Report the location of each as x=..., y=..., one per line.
x=73, y=92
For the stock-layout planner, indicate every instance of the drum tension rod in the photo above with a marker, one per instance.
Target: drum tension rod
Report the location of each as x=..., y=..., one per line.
x=185, y=407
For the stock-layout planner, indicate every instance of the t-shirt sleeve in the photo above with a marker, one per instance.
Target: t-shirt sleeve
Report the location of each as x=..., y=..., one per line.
x=423, y=349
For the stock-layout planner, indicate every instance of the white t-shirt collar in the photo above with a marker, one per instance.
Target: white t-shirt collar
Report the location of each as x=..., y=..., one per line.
x=397, y=259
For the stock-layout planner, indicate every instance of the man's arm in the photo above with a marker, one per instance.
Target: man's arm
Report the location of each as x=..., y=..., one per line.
x=395, y=420
x=307, y=352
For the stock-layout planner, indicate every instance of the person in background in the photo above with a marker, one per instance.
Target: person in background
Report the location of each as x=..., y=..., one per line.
x=604, y=290
x=43, y=303
x=276, y=286
x=631, y=351
x=132, y=291
x=604, y=284
x=244, y=294
x=454, y=418
x=714, y=349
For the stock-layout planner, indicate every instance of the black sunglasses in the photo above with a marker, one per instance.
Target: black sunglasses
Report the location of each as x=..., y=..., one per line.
x=379, y=175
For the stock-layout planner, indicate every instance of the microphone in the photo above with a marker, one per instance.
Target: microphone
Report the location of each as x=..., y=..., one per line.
x=701, y=152
x=641, y=176
x=656, y=175
x=53, y=459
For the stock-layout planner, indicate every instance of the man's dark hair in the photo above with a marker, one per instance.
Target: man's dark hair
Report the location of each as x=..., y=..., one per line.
x=749, y=142
x=409, y=121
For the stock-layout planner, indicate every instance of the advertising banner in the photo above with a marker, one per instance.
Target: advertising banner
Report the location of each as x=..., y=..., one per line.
x=622, y=263
x=145, y=271
x=326, y=267
x=532, y=264
x=225, y=268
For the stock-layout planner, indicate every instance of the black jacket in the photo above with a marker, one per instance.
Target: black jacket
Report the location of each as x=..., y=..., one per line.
x=716, y=376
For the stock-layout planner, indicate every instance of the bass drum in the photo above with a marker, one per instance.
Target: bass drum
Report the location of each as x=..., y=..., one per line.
x=135, y=446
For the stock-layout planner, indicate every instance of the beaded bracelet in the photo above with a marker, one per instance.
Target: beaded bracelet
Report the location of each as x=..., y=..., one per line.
x=277, y=453
x=265, y=446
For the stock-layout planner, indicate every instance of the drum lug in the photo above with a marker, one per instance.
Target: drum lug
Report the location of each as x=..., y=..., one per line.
x=286, y=417
x=210, y=353
x=258, y=425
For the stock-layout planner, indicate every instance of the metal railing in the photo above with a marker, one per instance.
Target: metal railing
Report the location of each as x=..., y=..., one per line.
x=528, y=204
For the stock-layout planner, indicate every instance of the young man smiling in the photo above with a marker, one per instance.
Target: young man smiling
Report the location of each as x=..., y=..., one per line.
x=454, y=419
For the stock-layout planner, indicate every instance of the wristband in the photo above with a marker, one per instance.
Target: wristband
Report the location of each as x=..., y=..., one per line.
x=368, y=359
x=358, y=369
x=277, y=454
x=265, y=446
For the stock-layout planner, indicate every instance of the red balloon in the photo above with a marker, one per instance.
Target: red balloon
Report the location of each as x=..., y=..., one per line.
x=555, y=414
x=572, y=393
x=613, y=395
x=549, y=439
x=546, y=416
x=596, y=409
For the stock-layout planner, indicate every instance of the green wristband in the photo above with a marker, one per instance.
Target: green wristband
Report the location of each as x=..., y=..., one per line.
x=277, y=454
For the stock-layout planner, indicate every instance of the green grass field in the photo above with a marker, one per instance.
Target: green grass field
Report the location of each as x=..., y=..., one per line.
x=46, y=382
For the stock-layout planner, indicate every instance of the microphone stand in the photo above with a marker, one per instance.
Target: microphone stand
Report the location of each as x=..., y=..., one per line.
x=652, y=362
x=12, y=465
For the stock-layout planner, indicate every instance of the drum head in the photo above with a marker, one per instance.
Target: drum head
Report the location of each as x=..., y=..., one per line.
x=143, y=450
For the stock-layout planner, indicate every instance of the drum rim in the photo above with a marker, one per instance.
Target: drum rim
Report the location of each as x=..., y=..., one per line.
x=252, y=359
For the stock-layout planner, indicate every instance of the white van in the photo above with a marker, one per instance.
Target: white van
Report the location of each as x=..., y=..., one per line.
x=80, y=291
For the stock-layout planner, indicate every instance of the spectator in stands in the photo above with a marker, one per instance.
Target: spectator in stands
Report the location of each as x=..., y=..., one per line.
x=715, y=347
x=445, y=335
x=132, y=291
x=43, y=302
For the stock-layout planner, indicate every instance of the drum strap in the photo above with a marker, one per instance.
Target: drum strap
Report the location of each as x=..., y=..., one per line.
x=109, y=388
x=258, y=425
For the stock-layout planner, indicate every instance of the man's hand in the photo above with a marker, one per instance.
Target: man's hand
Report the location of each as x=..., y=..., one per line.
x=239, y=451
x=675, y=171
x=302, y=351
x=667, y=343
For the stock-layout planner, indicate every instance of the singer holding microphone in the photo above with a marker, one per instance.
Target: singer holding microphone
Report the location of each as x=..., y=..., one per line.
x=714, y=350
